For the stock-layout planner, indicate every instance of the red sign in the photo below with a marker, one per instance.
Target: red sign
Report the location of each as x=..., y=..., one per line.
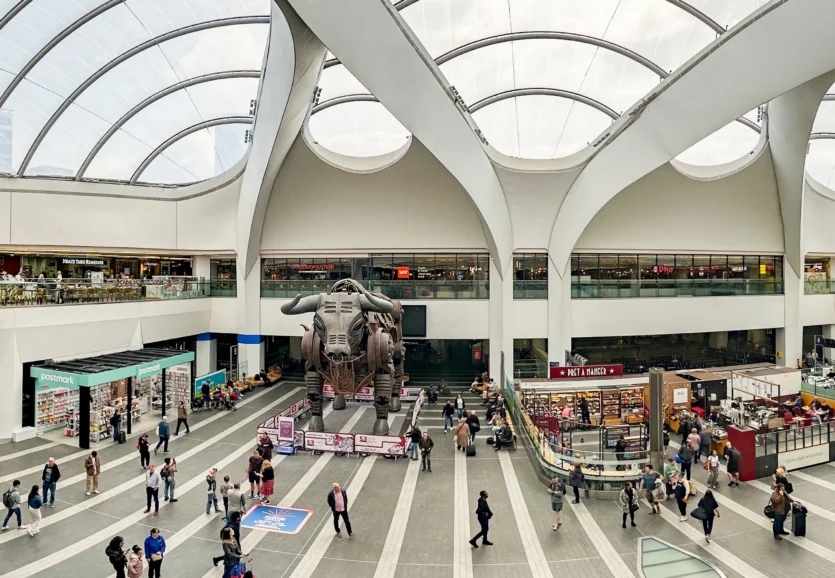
x=586, y=371
x=402, y=272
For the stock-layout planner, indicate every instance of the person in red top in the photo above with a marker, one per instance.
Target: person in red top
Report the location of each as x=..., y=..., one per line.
x=338, y=501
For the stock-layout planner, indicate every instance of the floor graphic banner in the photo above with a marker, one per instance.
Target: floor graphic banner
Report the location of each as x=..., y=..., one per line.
x=276, y=519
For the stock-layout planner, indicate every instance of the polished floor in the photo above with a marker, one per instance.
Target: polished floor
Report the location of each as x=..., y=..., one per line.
x=407, y=523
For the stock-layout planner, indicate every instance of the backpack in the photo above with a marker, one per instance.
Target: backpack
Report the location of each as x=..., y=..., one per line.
x=165, y=473
x=8, y=500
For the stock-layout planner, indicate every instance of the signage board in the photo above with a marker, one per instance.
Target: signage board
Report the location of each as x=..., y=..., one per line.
x=149, y=369
x=410, y=393
x=402, y=272
x=362, y=394
x=381, y=445
x=82, y=261
x=328, y=442
x=276, y=519
x=796, y=459
x=822, y=341
x=216, y=380
x=586, y=371
x=680, y=395
x=53, y=379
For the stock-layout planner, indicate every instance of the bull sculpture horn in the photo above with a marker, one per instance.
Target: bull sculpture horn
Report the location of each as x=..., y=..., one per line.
x=370, y=302
x=299, y=305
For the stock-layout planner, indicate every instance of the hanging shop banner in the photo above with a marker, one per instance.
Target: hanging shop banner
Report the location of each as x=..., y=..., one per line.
x=380, y=445
x=276, y=519
x=319, y=441
x=586, y=371
x=362, y=394
x=216, y=380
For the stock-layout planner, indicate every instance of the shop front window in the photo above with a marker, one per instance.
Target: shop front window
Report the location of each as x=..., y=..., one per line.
x=430, y=275
x=223, y=278
x=530, y=279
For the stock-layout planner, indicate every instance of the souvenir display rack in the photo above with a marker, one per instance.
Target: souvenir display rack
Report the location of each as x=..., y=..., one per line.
x=610, y=406
x=52, y=406
x=632, y=402
x=178, y=384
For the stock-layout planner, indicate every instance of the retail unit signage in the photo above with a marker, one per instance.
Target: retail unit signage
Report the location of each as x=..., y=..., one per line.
x=53, y=379
x=586, y=371
x=80, y=261
x=50, y=379
x=148, y=369
x=402, y=272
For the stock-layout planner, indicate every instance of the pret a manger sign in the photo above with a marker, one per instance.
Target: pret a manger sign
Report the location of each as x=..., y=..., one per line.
x=586, y=371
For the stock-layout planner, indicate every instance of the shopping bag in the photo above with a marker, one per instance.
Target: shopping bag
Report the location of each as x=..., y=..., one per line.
x=707, y=466
x=768, y=510
x=699, y=514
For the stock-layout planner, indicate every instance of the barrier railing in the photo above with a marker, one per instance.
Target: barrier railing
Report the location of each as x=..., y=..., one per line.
x=637, y=288
x=405, y=289
x=40, y=292
x=530, y=289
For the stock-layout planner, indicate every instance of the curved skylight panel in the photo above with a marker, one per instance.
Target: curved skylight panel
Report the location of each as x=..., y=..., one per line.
x=731, y=142
x=825, y=118
x=119, y=158
x=727, y=13
x=540, y=127
x=336, y=81
x=820, y=162
x=358, y=129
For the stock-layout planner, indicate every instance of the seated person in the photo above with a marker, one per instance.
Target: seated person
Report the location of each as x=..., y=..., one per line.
x=825, y=409
x=504, y=437
x=816, y=405
x=490, y=412
x=799, y=401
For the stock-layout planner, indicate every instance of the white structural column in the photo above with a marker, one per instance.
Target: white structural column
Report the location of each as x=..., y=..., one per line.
x=378, y=48
x=501, y=322
x=792, y=43
x=559, y=312
x=206, y=357
x=789, y=338
x=202, y=266
x=11, y=375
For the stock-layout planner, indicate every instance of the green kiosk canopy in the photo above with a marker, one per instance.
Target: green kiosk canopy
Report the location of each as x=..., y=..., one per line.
x=92, y=371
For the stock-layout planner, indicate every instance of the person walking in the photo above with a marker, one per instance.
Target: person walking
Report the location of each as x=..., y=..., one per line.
x=585, y=413
x=620, y=448
x=483, y=514
x=629, y=504
x=557, y=491
x=224, y=493
x=705, y=440
x=164, y=431
x=211, y=492
x=414, y=443
x=460, y=406
x=253, y=469
x=781, y=477
x=11, y=500
x=237, y=501
x=35, y=503
x=154, y=552
x=647, y=484
x=267, y=481
x=116, y=424
x=711, y=508
x=713, y=470
x=734, y=458
x=681, y=499
x=781, y=503
x=135, y=562
x=576, y=479
x=93, y=466
x=167, y=475
x=426, y=444
x=695, y=442
x=447, y=413
x=473, y=424
x=231, y=552
x=338, y=502
x=182, y=418
x=686, y=453
x=50, y=476
x=462, y=434
x=144, y=447
x=117, y=557
x=152, y=483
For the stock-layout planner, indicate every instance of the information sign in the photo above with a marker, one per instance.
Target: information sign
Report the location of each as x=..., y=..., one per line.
x=586, y=371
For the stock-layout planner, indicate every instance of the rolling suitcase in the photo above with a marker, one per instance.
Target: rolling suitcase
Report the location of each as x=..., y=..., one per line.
x=470, y=451
x=122, y=437
x=798, y=520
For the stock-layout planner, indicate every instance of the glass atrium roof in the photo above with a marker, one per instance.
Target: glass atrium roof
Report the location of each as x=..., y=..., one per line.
x=542, y=78
x=128, y=90
x=820, y=159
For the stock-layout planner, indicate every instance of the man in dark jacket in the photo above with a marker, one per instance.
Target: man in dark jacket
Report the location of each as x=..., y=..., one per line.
x=447, y=413
x=473, y=424
x=50, y=478
x=686, y=453
x=338, y=502
x=585, y=413
x=705, y=439
x=484, y=514
x=734, y=457
x=426, y=444
x=414, y=439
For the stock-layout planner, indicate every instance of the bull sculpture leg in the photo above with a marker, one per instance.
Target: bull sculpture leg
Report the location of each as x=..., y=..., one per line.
x=315, y=386
x=394, y=404
x=382, y=394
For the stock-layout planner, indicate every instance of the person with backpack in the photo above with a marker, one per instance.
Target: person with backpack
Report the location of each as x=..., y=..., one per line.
x=211, y=496
x=144, y=448
x=154, y=552
x=206, y=394
x=557, y=491
x=447, y=412
x=686, y=454
x=576, y=480
x=117, y=557
x=50, y=476
x=35, y=503
x=647, y=484
x=182, y=418
x=483, y=513
x=115, y=424
x=167, y=475
x=11, y=500
x=426, y=444
x=93, y=466
x=474, y=424
x=164, y=433
x=414, y=439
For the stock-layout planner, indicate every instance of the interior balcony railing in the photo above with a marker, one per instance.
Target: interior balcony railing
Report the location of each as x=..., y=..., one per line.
x=405, y=289
x=43, y=292
x=224, y=287
x=822, y=287
x=530, y=289
x=636, y=288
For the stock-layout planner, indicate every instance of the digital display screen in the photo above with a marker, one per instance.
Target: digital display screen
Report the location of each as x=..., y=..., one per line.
x=414, y=320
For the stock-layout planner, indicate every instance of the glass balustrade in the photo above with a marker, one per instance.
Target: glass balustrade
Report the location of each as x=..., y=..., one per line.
x=35, y=292
x=530, y=289
x=823, y=287
x=634, y=288
x=406, y=289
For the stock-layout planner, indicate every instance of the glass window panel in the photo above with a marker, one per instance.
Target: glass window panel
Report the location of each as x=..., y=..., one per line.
x=609, y=267
x=483, y=272
x=647, y=266
x=165, y=171
x=617, y=81
x=731, y=142
x=196, y=154
x=778, y=268
x=160, y=16
x=767, y=263
x=589, y=267
x=424, y=268
x=575, y=267
x=825, y=118
x=337, y=81
x=466, y=266
x=229, y=144
x=820, y=162
x=627, y=267
x=684, y=266
x=119, y=158
x=208, y=50
x=589, y=18
x=666, y=267
x=736, y=267
x=752, y=267
x=358, y=129
x=483, y=72
x=539, y=266
x=701, y=267
x=719, y=266
x=728, y=13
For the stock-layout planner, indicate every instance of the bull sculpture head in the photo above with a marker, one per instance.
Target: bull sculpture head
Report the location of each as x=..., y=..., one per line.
x=339, y=318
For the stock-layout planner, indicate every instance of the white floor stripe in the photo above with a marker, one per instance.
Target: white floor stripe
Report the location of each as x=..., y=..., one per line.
x=387, y=565
x=133, y=455
x=604, y=547
x=813, y=480
x=29, y=451
x=727, y=501
x=527, y=532
x=181, y=537
x=718, y=552
x=309, y=562
x=462, y=552
x=110, y=531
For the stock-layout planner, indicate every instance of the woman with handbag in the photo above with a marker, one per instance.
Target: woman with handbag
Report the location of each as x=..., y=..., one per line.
x=154, y=551
x=681, y=499
x=628, y=504
x=710, y=507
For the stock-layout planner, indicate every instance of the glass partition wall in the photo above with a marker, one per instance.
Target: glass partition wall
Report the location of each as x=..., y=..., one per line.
x=619, y=275
x=530, y=276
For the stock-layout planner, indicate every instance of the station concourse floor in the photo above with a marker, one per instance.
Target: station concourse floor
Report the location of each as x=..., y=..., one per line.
x=407, y=523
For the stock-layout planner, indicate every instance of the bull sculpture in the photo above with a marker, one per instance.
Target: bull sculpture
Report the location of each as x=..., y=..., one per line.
x=356, y=341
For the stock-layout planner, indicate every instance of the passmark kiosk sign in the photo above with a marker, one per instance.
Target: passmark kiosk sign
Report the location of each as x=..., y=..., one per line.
x=586, y=371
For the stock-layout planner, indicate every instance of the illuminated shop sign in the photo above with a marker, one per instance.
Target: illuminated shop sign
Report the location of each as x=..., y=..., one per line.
x=78, y=261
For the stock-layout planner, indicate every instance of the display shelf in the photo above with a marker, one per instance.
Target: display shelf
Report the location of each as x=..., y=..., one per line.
x=51, y=409
x=610, y=405
x=178, y=384
x=631, y=401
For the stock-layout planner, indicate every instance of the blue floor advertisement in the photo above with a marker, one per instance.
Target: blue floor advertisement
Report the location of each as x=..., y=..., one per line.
x=276, y=519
